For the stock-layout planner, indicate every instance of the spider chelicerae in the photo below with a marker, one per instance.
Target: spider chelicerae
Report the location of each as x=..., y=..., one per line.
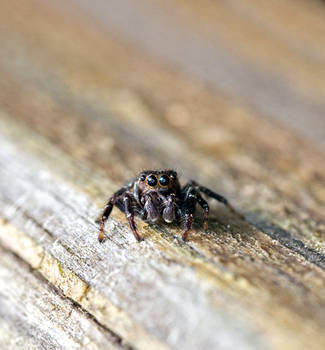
x=157, y=194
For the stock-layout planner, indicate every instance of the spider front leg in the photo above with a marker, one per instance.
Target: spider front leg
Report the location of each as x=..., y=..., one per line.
x=105, y=215
x=129, y=212
x=206, y=209
x=188, y=209
x=107, y=211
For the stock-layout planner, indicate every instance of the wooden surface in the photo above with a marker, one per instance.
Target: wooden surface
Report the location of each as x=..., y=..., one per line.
x=82, y=110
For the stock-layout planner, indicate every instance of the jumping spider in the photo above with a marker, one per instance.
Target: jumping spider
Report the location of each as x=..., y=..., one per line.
x=156, y=194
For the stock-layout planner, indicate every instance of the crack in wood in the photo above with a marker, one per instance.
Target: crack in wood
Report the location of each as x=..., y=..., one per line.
x=112, y=336
x=285, y=237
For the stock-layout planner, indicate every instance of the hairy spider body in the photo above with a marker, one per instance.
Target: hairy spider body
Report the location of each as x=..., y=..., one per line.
x=157, y=194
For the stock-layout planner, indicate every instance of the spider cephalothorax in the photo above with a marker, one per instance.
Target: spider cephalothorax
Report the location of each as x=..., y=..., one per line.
x=157, y=194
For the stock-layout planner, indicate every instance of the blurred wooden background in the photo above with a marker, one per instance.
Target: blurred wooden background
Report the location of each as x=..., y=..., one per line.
x=230, y=94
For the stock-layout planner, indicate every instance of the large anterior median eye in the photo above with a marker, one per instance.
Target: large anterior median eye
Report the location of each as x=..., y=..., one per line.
x=164, y=180
x=152, y=180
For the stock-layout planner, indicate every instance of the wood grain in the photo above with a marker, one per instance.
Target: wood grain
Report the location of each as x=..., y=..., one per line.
x=51, y=323
x=259, y=52
x=81, y=111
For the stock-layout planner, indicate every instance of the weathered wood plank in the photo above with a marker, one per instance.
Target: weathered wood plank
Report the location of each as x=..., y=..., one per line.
x=238, y=266
x=34, y=315
x=75, y=126
x=140, y=279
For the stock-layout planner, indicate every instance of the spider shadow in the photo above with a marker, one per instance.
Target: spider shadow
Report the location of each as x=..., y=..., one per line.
x=222, y=224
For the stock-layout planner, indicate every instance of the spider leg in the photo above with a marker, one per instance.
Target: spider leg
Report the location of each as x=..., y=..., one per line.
x=188, y=209
x=129, y=212
x=220, y=199
x=107, y=211
x=206, y=209
x=187, y=225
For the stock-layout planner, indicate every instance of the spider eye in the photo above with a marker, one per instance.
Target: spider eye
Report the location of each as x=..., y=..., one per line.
x=172, y=176
x=164, y=180
x=152, y=180
x=142, y=177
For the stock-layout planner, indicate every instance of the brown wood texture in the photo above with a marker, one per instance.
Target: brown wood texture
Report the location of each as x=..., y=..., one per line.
x=82, y=110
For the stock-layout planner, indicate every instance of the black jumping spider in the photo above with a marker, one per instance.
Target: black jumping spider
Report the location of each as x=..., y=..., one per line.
x=157, y=194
